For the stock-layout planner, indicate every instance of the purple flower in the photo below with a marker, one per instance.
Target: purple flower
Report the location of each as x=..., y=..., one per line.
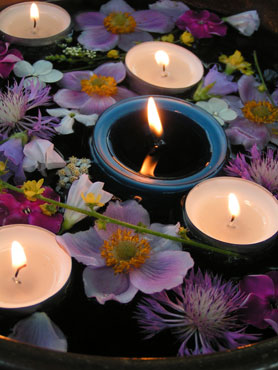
x=202, y=312
x=261, y=306
x=255, y=112
x=173, y=9
x=15, y=105
x=258, y=167
x=40, y=331
x=8, y=58
x=11, y=153
x=201, y=24
x=93, y=91
x=120, y=261
x=118, y=24
x=16, y=209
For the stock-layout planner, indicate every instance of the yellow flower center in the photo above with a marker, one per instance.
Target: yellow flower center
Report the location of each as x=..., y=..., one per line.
x=101, y=85
x=260, y=112
x=125, y=251
x=119, y=22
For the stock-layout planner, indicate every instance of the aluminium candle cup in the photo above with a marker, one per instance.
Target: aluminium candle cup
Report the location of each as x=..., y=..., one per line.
x=45, y=278
x=16, y=25
x=206, y=214
x=145, y=76
x=195, y=149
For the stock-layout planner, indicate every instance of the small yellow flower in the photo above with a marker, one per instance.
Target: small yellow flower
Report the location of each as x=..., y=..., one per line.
x=32, y=189
x=48, y=209
x=113, y=54
x=3, y=170
x=91, y=200
x=168, y=38
x=187, y=38
x=236, y=62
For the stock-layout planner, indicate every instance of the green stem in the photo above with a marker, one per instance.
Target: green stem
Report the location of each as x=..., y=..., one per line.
x=262, y=78
x=137, y=228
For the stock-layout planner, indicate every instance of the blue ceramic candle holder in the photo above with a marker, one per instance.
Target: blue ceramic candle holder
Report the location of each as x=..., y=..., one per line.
x=195, y=148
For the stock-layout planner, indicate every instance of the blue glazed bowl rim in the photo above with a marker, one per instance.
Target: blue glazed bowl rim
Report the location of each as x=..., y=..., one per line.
x=103, y=156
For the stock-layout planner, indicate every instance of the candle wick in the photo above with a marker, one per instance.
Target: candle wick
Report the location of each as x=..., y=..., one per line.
x=17, y=271
x=231, y=222
x=232, y=218
x=35, y=23
x=164, y=73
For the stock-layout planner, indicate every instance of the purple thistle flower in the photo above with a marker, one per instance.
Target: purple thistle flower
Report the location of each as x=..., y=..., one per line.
x=11, y=153
x=201, y=24
x=203, y=309
x=17, y=101
x=117, y=23
x=259, y=167
x=120, y=261
x=262, y=300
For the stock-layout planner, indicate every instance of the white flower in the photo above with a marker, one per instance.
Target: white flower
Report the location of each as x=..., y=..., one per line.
x=246, y=22
x=219, y=109
x=69, y=116
x=41, y=71
x=40, y=331
x=40, y=154
x=85, y=186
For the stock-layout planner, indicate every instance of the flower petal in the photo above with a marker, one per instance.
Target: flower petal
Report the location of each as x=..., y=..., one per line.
x=70, y=98
x=247, y=88
x=103, y=284
x=160, y=244
x=260, y=285
x=72, y=80
x=255, y=310
x=173, y=9
x=83, y=246
x=40, y=331
x=89, y=20
x=128, y=40
x=87, y=120
x=116, y=70
x=123, y=93
x=96, y=104
x=228, y=114
x=163, y=270
x=52, y=76
x=152, y=21
x=274, y=276
x=51, y=223
x=42, y=67
x=116, y=6
x=58, y=112
x=98, y=39
x=65, y=126
x=23, y=69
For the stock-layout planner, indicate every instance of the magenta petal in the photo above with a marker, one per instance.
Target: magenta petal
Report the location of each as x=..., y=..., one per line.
x=260, y=285
x=89, y=19
x=274, y=276
x=116, y=70
x=72, y=80
x=16, y=218
x=83, y=246
x=98, y=39
x=102, y=283
x=96, y=104
x=255, y=310
x=152, y=21
x=71, y=99
x=116, y=6
x=128, y=40
x=163, y=270
x=51, y=223
x=5, y=69
x=123, y=93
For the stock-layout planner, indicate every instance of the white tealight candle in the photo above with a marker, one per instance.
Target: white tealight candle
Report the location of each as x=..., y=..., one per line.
x=233, y=213
x=162, y=67
x=33, y=266
x=34, y=24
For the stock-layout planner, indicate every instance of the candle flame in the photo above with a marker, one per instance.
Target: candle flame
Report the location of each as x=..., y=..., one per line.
x=18, y=255
x=34, y=12
x=149, y=165
x=162, y=58
x=234, y=207
x=153, y=119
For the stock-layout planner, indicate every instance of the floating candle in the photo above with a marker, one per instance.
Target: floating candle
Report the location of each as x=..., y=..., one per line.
x=38, y=268
x=232, y=213
x=157, y=67
x=34, y=24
